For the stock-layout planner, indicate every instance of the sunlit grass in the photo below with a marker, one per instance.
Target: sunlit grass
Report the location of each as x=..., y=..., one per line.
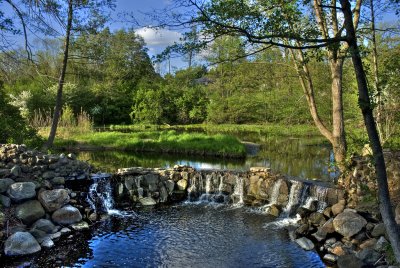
x=160, y=141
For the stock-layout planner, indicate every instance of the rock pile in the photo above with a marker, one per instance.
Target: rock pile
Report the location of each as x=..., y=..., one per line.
x=35, y=205
x=343, y=236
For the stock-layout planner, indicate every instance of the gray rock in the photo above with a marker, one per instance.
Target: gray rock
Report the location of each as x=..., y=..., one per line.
x=379, y=230
x=67, y=215
x=368, y=255
x=147, y=201
x=54, y=199
x=55, y=235
x=58, y=180
x=381, y=245
x=45, y=225
x=320, y=234
x=305, y=243
x=349, y=261
x=16, y=171
x=21, y=243
x=2, y=219
x=47, y=243
x=29, y=211
x=20, y=191
x=5, y=201
x=170, y=185
x=65, y=230
x=48, y=175
x=348, y=223
x=38, y=234
x=80, y=226
x=4, y=184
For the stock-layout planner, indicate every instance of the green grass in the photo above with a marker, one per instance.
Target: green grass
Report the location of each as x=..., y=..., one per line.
x=266, y=129
x=159, y=141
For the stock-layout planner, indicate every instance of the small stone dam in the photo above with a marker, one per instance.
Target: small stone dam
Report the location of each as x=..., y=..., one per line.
x=256, y=187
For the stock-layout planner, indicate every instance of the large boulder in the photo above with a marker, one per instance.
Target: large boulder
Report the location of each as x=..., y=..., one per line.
x=67, y=215
x=348, y=223
x=4, y=184
x=20, y=191
x=54, y=199
x=45, y=225
x=21, y=243
x=29, y=211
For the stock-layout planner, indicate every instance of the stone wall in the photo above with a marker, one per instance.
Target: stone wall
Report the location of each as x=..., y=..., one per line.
x=361, y=182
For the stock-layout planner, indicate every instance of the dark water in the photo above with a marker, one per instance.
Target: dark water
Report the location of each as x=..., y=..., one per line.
x=305, y=158
x=193, y=236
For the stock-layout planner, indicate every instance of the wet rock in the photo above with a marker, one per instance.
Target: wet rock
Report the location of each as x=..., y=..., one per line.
x=327, y=212
x=20, y=191
x=273, y=210
x=93, y=217
x=305, y=243
x=55, y=236
x=348, y=223
x=80, y=226
x=67, y=215
x=368, y=255
x=147, y=201
x=320, y=234
x=328, y=227
x=54, y=199
x=330, y=258
x=379, y=230
x=65, y=230
x=317, y=219
x=21, y=243
x=349, y=261
x=45, y=225
x=4, y=184
x=182, y=184
x=29, y=211
x=5, y=201
x=338, y=249
x=302, y=229
x=303, y=212
x=313, y=206
x=38, y=234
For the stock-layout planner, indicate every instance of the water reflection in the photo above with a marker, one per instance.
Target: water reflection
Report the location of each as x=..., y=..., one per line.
x=305, y=158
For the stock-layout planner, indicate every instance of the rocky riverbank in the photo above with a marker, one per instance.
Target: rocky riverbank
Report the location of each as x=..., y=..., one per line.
x=47, y=197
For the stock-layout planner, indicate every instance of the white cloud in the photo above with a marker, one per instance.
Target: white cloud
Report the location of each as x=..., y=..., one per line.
x=161, y=37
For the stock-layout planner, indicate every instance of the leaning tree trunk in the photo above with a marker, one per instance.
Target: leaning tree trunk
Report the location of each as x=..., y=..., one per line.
x=385, y=205
x=58, y=107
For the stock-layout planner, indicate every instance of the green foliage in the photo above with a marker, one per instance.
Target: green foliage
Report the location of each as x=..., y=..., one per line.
x=14, y=128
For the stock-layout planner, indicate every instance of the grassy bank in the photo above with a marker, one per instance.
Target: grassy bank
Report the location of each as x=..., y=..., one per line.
x=157, y=141
x=265, y=129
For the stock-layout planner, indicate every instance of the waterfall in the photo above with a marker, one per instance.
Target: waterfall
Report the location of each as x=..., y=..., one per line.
x=320, y=196
x=295, y=195
x=275, y=192
x=100, y=197
x=239, y=190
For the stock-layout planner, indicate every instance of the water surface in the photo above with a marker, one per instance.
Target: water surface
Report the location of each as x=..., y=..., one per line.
x=194, y=235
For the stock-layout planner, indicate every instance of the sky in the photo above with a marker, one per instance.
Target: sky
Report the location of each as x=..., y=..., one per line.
x=156, y=41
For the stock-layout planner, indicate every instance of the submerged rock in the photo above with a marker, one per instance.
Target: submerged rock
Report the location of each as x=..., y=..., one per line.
x=21, y=243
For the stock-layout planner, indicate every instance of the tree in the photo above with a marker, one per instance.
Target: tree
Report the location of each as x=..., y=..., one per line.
x=286, y=24
x=73, y=16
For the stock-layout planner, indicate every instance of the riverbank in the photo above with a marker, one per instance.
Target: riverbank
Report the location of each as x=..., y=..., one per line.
x=156, y=141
